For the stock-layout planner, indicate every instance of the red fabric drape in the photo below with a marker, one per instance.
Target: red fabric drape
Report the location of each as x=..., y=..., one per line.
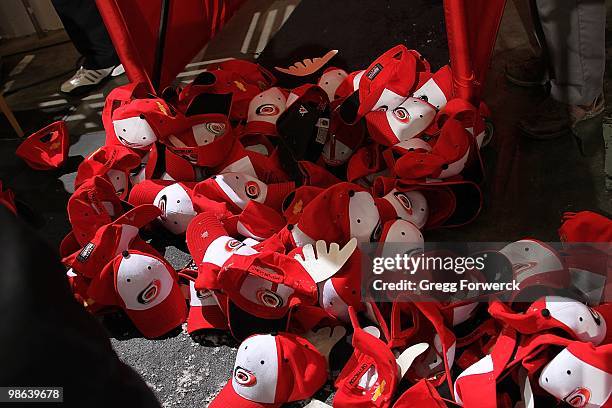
x=134, y=29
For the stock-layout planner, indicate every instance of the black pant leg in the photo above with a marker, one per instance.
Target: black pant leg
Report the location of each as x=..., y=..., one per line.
x=84, y=25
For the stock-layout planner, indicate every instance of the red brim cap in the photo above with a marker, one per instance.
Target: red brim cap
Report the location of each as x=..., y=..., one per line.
x=206, y=317
x=146, y=191
x=47, y=148
x=229, y=398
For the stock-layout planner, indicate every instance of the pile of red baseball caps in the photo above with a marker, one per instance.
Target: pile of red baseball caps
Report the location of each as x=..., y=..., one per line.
x=272, y=190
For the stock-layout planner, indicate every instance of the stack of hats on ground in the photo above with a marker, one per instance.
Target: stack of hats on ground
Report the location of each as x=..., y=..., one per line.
x=272, y=190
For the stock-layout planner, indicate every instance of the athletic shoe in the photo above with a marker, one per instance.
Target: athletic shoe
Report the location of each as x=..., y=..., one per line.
x=84, y=79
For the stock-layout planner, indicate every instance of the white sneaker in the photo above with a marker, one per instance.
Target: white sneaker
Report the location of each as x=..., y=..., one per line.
x=118, y=70
x=84, y=79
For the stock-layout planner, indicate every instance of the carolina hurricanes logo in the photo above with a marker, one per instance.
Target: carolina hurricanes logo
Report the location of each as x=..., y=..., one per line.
x=251, y=188
x=148, y=294
x=522, y=267
x=244, y=377
x=401, y=114
x=232, y=245
x=267, y=109
x=269, y=298
x=579, y=398
x=215, y=128
x=162, y=206
x=404, y=201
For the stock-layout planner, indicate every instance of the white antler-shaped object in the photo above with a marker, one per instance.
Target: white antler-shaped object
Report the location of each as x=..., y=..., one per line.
x=307, y=66
x=325, y=264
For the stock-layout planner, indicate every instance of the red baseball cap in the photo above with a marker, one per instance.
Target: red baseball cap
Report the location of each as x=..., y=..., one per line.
x=447, y=158
x=204, y=140
x=111, y=239
x=409, y=119
x=238, y=189
x=266, y=284
x=264, y=109
x=386, y=83
x=438, y=89
x=251, y=72
x=47, y=148
x=371, y=375
x=271, y=370
x=173, y=199
x=554, y=312
x=140, y=122
x=580, y=375
x=204, y=311
x=585, y=226
x=93, y=205
x=146, y=287
x=337, y=214
x=410, y=205
x=297, y=200
x=114, y=162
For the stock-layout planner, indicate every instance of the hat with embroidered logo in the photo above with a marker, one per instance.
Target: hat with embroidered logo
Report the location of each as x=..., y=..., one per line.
x=146, y=287
x=272, y=370
x=175, y=200
x=114, y=162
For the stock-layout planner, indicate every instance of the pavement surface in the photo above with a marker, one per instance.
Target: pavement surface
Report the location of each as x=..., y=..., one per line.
x=530, y=184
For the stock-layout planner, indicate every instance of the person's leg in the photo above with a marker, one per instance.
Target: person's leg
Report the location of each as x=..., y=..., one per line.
x=47, y=338
x=575, y=36
x=528, y=68
x=575, y=42
x=86, y=29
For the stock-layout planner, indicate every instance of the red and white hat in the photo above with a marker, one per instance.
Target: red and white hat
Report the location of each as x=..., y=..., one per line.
x=114, y=162
x=408, y=205
x=258, y=221
x=47, y=148
x=343, y=289
x=296, y=201
x=349, y=85
x=337, y=214
x=175, y=200
x=331, y=79
x=264, y=110
x=266, y=284
x=110, y=240
x=438, y=89
x=447, y=158
x=251, y=72
x=371, y=375
x=534, y=263
x=138, y=123
x=93, y=205
x=580, y=375
x=146, y=287
x=483, y=374
x=388, y=81
x=270, y=371
x=205, y=139
x=554, y=312
x=399, y=237
x=204, y=311
x=238, y=189
x=407, y=120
